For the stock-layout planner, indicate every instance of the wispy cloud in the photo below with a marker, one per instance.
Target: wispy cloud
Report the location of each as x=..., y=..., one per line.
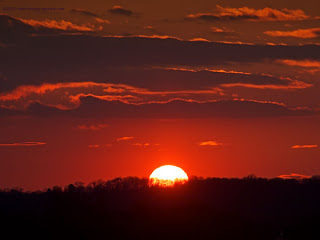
x=124, y=139
x=300, y=63
x=99, y=145
x=250, y=14
x=298, y=33
x=93, y=127
x=90, y=14
x=120, y=11
x=141, y=144
x=304, y=146
x=222, y=30
x=210, y=143
x=84, y=12
x=24, y=144
x=294, y=176
x=60, y=25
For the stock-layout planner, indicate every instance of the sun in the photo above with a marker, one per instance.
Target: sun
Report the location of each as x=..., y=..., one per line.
x=167, y=176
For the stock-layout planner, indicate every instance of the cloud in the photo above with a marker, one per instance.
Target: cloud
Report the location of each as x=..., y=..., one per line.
x=94, y=146
x=99, y=146
x=199, y=40
x=217, y=30
x=84, y=12
x=182, y=70
x=158, y=83
x=93, y=127
x=13, y=29
x=127, y=65
x=295, y=84
x=294, y=176
x=141, y=144
x=210, y=143
x=60, y=25
x=120, y=11
x=250, y=14
x=90, y=14
x=64, y=100
x=222, y=30
x=304, y=146
x=307, y=63
x=153, y=36
x=124, y=139
x=299, y=33
x=92, y=107
x=23, y=144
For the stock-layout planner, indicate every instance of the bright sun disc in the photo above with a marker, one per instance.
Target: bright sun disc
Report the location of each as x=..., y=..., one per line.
x=167, y=176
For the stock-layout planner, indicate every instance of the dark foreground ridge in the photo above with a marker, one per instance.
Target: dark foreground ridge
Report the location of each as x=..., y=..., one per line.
x=126, y=208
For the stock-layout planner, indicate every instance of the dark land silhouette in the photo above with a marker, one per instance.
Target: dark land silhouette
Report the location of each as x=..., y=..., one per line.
x=126, y=208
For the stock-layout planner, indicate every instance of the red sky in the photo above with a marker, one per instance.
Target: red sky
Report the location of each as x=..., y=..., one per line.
x=117, y=88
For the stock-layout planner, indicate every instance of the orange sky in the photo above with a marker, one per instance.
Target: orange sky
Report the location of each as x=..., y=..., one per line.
x=104, y=89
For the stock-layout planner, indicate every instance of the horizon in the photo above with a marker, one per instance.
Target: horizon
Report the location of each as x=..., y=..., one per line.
x=293, y=176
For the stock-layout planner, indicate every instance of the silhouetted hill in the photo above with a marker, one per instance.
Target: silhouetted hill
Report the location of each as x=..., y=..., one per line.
x=126, y=208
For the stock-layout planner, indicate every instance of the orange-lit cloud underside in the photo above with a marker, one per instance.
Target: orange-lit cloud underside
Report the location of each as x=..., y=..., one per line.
x=298, y=33
x=251, y=14
x=304, y=146
x=294, y=176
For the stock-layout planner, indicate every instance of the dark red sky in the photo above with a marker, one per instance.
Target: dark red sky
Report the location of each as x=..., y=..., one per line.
x=105, y=89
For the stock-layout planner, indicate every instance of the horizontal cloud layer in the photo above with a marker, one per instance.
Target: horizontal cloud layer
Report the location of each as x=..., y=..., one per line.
x=94, y=107
x=251, y=14
x=61, y=59
x=294, y=176
x=298, y=33
x=22, y=144
x=210, y=143
x=15, y=28
x=304, y=146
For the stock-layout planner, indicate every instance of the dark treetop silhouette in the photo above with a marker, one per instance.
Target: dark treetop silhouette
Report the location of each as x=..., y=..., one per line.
x=126, y=208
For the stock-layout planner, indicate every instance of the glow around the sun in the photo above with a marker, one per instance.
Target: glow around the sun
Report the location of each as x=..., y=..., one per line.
x=167, y=176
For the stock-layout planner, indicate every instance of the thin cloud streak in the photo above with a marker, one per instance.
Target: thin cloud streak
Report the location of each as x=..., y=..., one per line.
x=60, y=25
x=307, y=63
x=93, y=127
x=304, y=146
x=299, y=33
x=124, y=139
x=250, y=14
x=23, y=144
x=294, y=176
x=211, y=143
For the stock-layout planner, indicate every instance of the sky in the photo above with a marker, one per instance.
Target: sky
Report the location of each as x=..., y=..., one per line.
x=105, y=89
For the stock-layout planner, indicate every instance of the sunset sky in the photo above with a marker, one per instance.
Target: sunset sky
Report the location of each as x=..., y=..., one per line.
x=103, y=89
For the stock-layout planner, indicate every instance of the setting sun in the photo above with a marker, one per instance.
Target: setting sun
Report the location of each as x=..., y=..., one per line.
x=167, y=176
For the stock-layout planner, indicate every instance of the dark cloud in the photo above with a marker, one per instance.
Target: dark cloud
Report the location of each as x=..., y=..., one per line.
x=10, y=26
x=94, y=107
x=22, y=144
x=120, y=11
x=144, y=85
x=12, y=29
x=84, y=12
x=124, y=60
